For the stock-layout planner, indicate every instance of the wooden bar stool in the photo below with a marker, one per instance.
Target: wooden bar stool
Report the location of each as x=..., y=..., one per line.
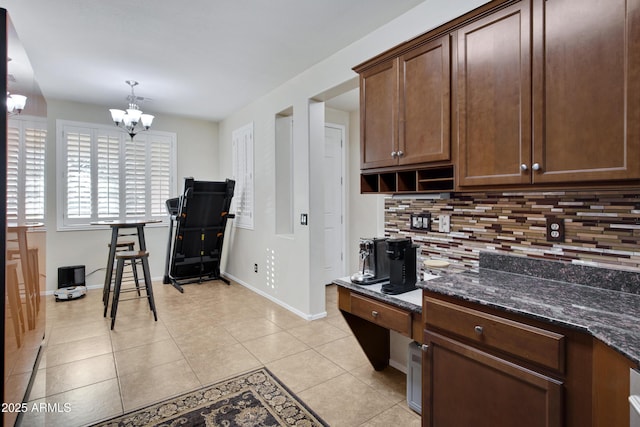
x=132, y=256
x=126, y=245
x=31, y=282
x=15, y=302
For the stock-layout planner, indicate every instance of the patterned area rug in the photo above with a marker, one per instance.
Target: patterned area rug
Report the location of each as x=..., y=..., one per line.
x=256, y=398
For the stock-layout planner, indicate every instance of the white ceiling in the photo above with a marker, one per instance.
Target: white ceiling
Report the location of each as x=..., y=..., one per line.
x=196, y=58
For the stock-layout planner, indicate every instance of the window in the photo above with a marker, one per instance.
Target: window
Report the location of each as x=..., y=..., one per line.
x=26, y=144
x=242, y=204
x=108, y=176
x=284, y=174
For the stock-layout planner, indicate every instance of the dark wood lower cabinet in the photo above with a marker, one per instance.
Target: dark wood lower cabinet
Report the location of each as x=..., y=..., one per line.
x=465, y=386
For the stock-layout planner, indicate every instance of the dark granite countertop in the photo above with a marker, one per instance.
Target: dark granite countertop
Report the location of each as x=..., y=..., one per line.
x=608, y=307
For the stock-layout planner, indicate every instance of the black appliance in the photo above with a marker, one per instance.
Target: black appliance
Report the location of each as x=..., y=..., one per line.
x=73, y=275
x=374, y=263
x=402, y=266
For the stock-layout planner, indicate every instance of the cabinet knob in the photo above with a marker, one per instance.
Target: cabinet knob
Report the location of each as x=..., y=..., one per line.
x=374, y=313
x=400, y=153
x=536, y=166
x=523, y=167
x=478, y=329
x=424, y=347
x=394, y=154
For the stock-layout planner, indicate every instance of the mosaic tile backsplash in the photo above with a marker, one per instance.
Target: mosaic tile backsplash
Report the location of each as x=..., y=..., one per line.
x=601, y=229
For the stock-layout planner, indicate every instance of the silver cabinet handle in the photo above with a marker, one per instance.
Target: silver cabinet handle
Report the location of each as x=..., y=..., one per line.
x=394, y=154
x=536, y=166
x=478, y=329
x=523, y=167
x=424, y=347
x=374, y=313
x=400, y=153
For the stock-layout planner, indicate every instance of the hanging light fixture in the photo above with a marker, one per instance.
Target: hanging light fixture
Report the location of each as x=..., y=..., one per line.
x=15, y=103
x=132, y=120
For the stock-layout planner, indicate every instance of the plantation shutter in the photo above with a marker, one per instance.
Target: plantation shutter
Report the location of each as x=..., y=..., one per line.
x=160, y=151
x=135, y=178
x=26, y=145
x=108, y=171
x=13, y=167
x=78, y=159
x=35, y=144
x=109, y=176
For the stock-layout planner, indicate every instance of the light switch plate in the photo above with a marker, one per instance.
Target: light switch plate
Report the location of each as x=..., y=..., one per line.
x=444, y=223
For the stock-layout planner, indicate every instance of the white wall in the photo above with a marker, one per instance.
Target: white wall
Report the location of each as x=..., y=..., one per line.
x=295, y=285
x=197, y=156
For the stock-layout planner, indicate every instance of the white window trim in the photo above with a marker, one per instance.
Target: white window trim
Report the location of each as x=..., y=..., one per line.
x=61, y=170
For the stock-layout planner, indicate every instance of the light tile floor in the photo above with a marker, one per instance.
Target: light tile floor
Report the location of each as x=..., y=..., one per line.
x=211, y=332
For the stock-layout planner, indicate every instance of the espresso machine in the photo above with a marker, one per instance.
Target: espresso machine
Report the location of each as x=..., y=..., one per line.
x=374, y=263
x=402, y=266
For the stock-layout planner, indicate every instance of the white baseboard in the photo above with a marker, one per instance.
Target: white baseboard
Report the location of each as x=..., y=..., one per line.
x=275, y=300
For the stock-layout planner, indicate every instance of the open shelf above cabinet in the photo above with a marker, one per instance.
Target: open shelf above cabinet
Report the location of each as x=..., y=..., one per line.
x=427, y=180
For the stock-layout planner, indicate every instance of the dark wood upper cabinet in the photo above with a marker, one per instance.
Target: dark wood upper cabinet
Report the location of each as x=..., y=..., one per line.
x=494, y=97
x=527, y=94
x=425, y=80
x=378, y=115
x=571, y=115
x=405, y=108
x=586, y=89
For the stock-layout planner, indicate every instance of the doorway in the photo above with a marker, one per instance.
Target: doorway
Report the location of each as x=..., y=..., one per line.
x=334, y=201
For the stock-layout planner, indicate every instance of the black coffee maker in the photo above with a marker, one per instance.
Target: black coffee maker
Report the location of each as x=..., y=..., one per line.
x=402, y=266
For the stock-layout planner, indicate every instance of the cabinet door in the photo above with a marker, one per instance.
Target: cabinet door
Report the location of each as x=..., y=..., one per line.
x=493, y=80
x=586, y=90
x=425, y=76
x=378, y=115
x=464, y=386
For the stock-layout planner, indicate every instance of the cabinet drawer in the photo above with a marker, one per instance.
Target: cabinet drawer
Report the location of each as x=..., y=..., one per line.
x=381, y=314
x=524, y=341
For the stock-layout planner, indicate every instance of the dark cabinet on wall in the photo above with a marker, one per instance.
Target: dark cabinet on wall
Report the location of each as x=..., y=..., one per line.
x=493, y=82
x=515, y=94
x=405, y=108
x=586, y=82
x=570, y=115
x=405, y=116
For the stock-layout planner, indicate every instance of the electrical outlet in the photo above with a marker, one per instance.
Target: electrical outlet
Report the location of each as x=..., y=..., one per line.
x=555, y=229
x=444, y=223
x=255, y=268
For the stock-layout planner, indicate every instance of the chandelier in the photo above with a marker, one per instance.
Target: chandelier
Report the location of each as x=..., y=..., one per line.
x=15, y=103
x=132, y=120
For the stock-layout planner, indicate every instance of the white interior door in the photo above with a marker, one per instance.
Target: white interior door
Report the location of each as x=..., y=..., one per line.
x=333, y=203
